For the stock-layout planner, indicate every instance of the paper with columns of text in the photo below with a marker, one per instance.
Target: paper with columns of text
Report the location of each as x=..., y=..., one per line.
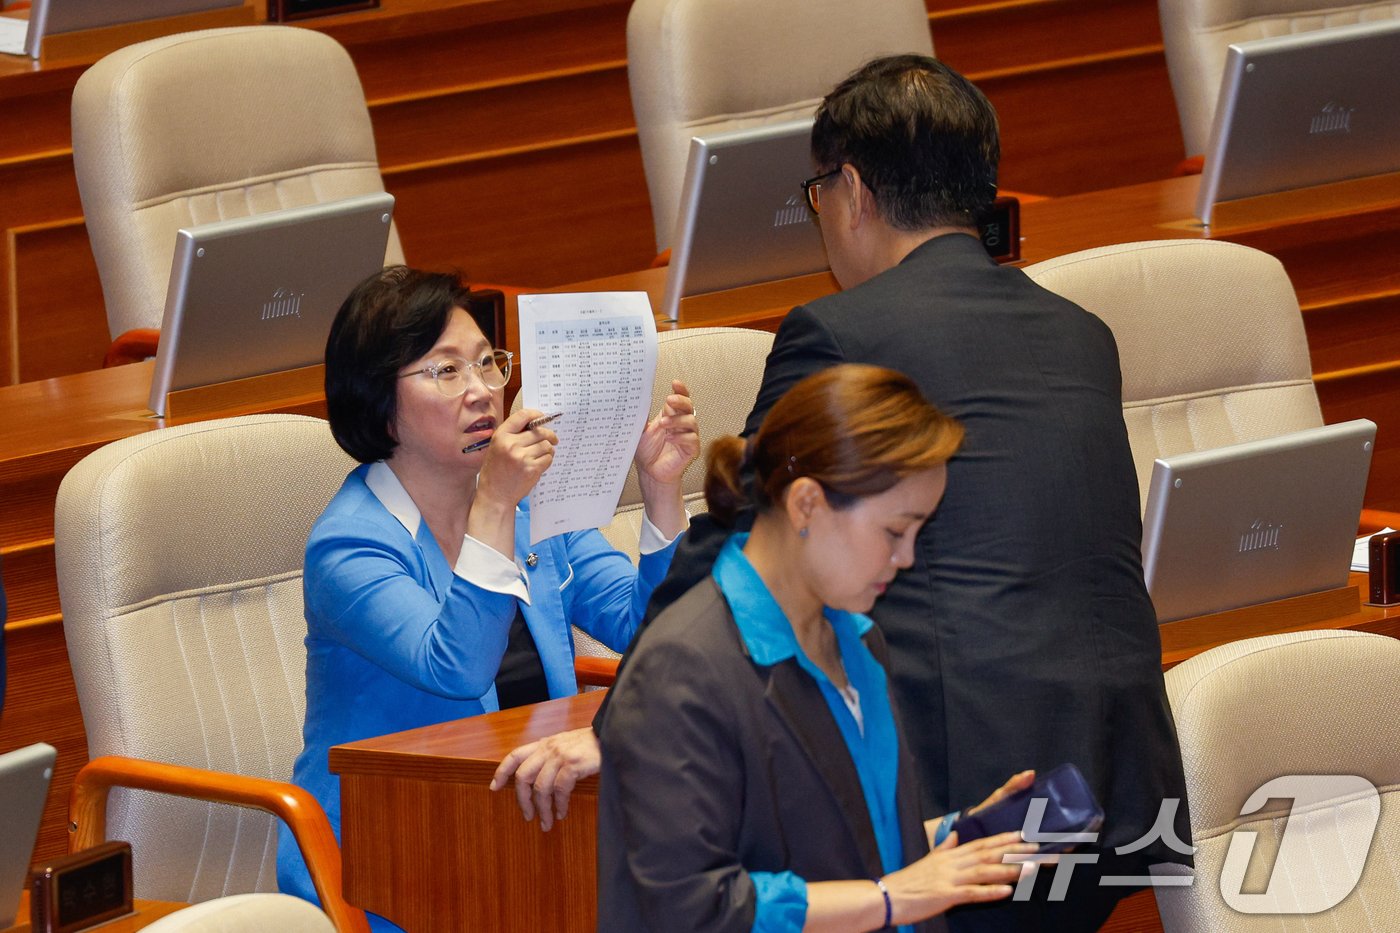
x=593, y=358
x=13, y=32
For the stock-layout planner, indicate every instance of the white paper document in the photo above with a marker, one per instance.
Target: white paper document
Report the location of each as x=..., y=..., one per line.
x=12, y=35
x=591, y=357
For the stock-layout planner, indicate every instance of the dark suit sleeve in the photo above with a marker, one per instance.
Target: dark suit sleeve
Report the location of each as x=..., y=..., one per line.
x=673, y=775
x=803, y=345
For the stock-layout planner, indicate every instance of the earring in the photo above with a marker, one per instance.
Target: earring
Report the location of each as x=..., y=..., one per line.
x=802, y=532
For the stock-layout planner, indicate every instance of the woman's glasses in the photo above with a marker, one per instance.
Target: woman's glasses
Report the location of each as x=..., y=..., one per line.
x=450, y=374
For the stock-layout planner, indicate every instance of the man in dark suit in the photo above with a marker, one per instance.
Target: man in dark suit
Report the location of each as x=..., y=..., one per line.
x=1023, y=636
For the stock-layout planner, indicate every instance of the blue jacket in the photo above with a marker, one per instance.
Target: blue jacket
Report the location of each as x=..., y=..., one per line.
x=396, y=640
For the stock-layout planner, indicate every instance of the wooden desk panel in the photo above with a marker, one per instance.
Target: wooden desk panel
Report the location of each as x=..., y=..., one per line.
x=419, y=801
x=426, y=843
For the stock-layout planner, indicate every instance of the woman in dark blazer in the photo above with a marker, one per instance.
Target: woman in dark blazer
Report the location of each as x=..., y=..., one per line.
x=754, y=776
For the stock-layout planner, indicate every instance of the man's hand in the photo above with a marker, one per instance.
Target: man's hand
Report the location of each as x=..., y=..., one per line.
x=546, y=772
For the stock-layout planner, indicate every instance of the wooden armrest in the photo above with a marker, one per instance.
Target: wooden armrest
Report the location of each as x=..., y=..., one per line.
x=132, y=347
x=1024, y=197
x=1193, y=165
x=1373, y=520
x=595, y=672
x=87, y=816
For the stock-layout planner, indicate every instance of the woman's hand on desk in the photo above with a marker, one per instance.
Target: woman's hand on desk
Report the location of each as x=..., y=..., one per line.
x=546, y=771
x=669, y=444
x=952, y=874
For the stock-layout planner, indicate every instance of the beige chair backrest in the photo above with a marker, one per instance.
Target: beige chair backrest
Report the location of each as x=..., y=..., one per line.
x=722, y=367
x=699, y=67
x=246, y=913
x=1210, y=341
x=1303, y=703
x=205, y=126
x=1196, y=34
x=179, y=557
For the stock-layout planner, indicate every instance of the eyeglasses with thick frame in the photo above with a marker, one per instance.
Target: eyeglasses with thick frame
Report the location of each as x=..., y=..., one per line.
x=812, y=188
x=450, y=374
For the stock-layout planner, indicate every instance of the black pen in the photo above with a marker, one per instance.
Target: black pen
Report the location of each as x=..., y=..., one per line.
x=539, y=422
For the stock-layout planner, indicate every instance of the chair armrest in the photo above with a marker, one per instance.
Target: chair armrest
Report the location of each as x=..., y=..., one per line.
x=595, y=672
x=87, y=816
x=132, y=347
x=1373, y=520
x=1193, y=165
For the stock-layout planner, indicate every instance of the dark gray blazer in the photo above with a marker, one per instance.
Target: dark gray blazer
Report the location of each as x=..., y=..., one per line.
x=715, y=766
x=1023, y=636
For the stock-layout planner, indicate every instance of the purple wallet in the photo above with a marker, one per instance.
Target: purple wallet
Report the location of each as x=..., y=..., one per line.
x=1070, y=807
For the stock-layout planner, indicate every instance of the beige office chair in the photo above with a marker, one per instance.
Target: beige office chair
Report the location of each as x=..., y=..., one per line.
x=204, y=126
x=722, y=367
x=1196, y=33
x=707, y=66
x=179, y=556
x=1210, y=340
x=246, y=913
x=1303, y=703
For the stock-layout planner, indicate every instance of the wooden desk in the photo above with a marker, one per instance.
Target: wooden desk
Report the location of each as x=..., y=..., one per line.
x=426, y=843
x=1339, y=253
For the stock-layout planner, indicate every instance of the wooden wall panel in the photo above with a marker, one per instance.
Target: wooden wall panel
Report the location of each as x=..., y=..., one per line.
x=1371, y=395
x=62, y=321
x=544, y=111
x=1089, y=125
x=1039, y=34
x=44, y=117
x=533, y=219
x=483, y=53
x=41, y=705
x=31, y=581
x=1346, y=334
x=35, y=189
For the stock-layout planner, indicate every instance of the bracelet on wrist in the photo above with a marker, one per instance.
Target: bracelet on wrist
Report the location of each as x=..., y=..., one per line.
x=889, y=905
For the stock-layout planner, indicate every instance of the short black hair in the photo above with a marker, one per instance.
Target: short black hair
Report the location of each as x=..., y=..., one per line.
x=922, y=136
x=389, y=320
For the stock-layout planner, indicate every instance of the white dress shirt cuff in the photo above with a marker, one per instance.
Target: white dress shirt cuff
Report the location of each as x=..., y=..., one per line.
x=484, y=566
x=651, y=539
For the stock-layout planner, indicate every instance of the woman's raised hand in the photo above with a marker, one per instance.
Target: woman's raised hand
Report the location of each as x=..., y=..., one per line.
x=516, y=459
x=670, y=443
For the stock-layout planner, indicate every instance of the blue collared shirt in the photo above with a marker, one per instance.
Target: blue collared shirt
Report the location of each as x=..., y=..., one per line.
x=769, y=638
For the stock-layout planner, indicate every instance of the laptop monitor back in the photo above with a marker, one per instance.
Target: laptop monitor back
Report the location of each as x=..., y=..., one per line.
x=1304, y=109
x=257, y=294
x=743, y=217
x=1255, y=522
x=24, y=786
x=47, y=17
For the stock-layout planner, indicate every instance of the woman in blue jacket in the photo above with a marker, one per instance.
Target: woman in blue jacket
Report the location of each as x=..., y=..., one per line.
x=419, y=573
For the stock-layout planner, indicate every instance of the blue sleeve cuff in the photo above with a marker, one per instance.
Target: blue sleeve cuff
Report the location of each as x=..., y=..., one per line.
x=945, y=826
x=782, y=902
